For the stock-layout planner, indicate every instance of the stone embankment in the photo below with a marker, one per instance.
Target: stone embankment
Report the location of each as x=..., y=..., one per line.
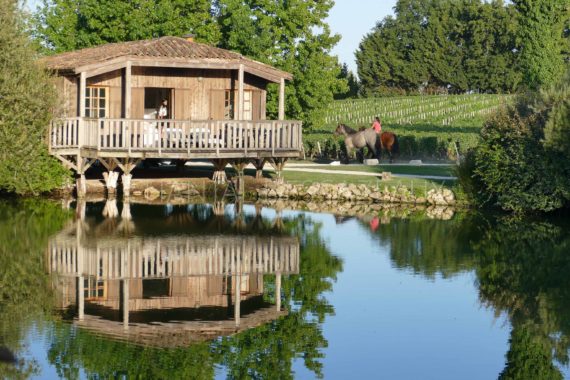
x=352, y=192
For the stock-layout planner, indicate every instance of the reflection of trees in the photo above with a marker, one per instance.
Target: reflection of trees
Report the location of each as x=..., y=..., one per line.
x=266, y=351
x=24, y=297
x=430, y=246
x=73, y=351
x=524, y=273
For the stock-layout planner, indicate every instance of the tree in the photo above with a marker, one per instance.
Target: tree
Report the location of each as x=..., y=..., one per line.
x=541, y=31
x=27, y=98
x=352, y=82
x=294, y=37
x=63, y=25
x=443, y=46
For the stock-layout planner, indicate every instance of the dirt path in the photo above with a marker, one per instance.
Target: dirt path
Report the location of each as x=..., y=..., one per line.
x=365, y=174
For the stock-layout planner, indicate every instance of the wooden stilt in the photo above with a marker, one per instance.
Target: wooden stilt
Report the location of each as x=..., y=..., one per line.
x=259, y=163
x=278, y=164
x=220, y=171
x=239, y=167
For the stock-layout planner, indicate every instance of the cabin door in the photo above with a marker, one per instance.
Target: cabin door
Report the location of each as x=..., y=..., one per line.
x=153, y=97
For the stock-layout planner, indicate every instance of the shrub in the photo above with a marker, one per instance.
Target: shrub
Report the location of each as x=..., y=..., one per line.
x=27, y=99
x=512, y=169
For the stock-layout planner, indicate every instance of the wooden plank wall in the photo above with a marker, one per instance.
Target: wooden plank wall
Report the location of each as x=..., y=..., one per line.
x=193, y=91
x=114, y=81
x=193, y=88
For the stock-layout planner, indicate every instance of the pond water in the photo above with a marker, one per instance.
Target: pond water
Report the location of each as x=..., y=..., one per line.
x=202, y=291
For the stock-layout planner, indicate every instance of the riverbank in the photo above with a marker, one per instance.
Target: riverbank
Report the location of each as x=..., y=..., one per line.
x=183, y=190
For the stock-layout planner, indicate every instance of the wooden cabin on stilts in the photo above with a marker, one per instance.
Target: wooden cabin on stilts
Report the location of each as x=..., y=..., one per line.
x=214, y=101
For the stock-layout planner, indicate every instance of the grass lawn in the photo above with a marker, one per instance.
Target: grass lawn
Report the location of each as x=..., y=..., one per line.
x=420, y=186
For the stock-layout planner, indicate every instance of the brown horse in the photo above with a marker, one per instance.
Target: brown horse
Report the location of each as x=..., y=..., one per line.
x=368, y=138
x=389, y=142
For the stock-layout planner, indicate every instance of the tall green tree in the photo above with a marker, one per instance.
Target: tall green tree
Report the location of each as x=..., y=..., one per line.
x=441, y=45
x=541, y=31
x=27, y=98
x=63, y=25
x=293, y=36
x=352, y=82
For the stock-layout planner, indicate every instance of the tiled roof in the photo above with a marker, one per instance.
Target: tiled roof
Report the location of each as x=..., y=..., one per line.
x=164, y=47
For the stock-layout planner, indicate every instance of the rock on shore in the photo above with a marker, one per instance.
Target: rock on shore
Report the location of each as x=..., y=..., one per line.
x=352, y=192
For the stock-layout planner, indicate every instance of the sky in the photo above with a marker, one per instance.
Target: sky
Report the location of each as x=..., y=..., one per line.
x=353, y=19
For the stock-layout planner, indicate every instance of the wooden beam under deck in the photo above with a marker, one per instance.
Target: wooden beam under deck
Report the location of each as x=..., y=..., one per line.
x=94, y=153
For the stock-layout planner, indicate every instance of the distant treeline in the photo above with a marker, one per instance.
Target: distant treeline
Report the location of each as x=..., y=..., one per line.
x=435, y=46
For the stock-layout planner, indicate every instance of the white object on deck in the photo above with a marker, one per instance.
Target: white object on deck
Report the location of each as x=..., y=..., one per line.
x=335, y=163
x=371, y=162
x=416, y=162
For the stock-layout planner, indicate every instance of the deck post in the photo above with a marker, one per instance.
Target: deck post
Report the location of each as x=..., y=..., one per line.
x=81, y=186
x=281, y=115
x=127, y=99
x=126, y=181
x=111, y=178
x=259, y=163
x=219, y=176
x=278, y=164
x=82, y=88
x=240, y=92
x=239, y=166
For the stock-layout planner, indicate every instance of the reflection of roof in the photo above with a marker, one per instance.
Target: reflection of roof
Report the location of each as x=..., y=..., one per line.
x=177, y=334
x=173, y=49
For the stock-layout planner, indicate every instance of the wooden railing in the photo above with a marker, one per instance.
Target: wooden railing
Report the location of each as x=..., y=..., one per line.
x=174, y=257
x=176, y=135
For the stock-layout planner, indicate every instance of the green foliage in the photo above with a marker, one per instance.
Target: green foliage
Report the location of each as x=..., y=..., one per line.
x=352, y=82
x=523, y=273
x=436, y=254
x=292, y=36
x=24, y=287
x=541, y=31
x=266, y=351
x=523, y=161
x=27, y=99
x=441, y=46
x=64, y=25
x=551, y=108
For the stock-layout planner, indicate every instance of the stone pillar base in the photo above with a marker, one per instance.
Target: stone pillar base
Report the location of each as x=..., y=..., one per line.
x=81, y=186
x=111, y=179
x=126, y=180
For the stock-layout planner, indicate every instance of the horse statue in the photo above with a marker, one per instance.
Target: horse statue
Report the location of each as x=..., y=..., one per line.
x=368, y=138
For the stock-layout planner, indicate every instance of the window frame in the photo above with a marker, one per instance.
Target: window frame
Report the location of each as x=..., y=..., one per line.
x=89, y=90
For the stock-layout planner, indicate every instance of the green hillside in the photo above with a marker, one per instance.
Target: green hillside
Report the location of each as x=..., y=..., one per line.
x=428, y=127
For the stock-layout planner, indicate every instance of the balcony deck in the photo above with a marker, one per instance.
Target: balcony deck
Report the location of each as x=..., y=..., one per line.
x=175, y=139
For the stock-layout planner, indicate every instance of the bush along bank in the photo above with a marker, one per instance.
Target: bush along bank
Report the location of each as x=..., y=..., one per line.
x=352, y=192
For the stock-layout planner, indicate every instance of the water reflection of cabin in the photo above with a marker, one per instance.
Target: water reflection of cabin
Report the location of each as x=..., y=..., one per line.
x=216, y=105
x=199, y=287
